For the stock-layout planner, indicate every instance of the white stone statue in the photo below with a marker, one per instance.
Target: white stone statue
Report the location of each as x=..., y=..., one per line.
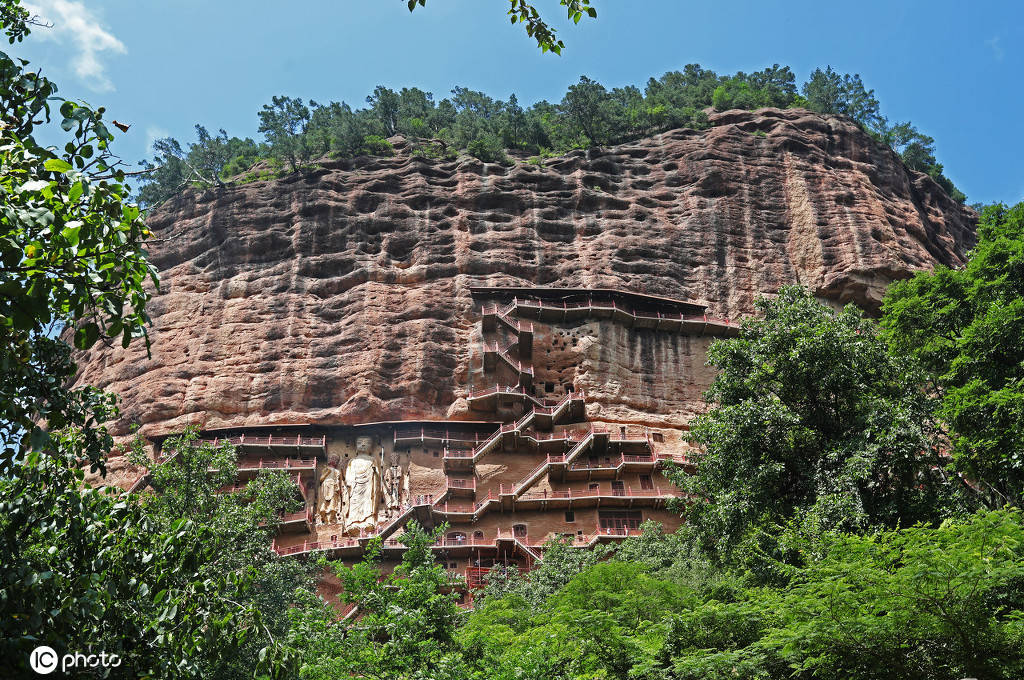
x=362, y=482
x=331, y=490
x=392, y=487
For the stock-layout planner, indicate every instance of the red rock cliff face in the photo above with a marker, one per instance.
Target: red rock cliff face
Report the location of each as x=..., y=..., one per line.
x=342, y=295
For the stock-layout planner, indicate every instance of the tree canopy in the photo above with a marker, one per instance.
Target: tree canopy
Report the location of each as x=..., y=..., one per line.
x=965, y=326
x=814, y=422
x=297, y=133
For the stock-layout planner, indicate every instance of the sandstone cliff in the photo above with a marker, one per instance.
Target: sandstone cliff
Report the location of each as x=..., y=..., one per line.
x=342, y=295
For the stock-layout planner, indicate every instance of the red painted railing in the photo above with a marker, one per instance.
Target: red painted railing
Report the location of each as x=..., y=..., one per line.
x=269, y=440
x=277, y=464
x=456, y=483
x=627, y=492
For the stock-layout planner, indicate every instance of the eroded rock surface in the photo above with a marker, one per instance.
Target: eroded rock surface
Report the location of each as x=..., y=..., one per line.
x=342, y=295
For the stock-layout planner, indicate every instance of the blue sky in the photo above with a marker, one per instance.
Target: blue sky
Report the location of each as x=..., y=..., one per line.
x=953, y=68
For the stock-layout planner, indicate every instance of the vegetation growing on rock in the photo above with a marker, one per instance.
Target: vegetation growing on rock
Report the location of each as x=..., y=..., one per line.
x=296, y=132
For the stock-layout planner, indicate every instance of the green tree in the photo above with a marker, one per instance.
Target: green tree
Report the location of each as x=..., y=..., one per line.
x=919, y=603
x=918, y=153
x=84, y=569
x=965, y=328
x=384, y=105
x=586, y=107
x=828, y=92
x=596, y=625
x=774, y=86
x=811, y=420
x=408, y=617
x=285, y=123
x=562, y=561
x=237, y=529
x=71, y=259
x=525, y=13
x=206, y=163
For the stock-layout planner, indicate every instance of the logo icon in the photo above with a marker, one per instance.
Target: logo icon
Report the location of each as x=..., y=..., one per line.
x=43, y=660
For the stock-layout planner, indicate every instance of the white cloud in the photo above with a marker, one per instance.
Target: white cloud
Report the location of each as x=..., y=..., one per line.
x=77, y=27
x=154, y=133
x=997, y=49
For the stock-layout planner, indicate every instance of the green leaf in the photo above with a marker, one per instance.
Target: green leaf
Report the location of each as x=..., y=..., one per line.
x=57, y=165
x=71, y=234
x=86, y=336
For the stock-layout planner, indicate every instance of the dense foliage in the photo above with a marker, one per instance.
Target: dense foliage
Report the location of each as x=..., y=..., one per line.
x=813, y=422
x=407, y=618
x=830, y=535
x=85, y=568
x=298, y=133
x=70, y=258
x=965, y=326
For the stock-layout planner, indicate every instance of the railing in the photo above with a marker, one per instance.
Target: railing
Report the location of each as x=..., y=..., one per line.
x=301, y=515
x=518, y=391
x=615, y=532
x=455, y=483
x=268, y=440
x=612, y=463
x=307, y=546
x=626, y=492
x=540, y=305
x=233, y=488
x=536, y=474
x=479, y=505
x=447, y=508
x=445, y=434
x=502, y=353
x=679, y=458
x=277, y=464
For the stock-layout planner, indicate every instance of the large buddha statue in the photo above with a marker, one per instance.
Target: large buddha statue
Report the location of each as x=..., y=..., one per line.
x=362, y=483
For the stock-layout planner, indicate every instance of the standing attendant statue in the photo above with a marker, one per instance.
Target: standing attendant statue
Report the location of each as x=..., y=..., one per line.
x=331, y=489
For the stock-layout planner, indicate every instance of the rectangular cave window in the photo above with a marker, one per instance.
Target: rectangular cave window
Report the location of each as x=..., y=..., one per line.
x=646, y=482
x=549, y=387
x=568, y=388
x=618, y=488
x=570, y=516
x=593, y=486
x=437, y=454
x=659, y=437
